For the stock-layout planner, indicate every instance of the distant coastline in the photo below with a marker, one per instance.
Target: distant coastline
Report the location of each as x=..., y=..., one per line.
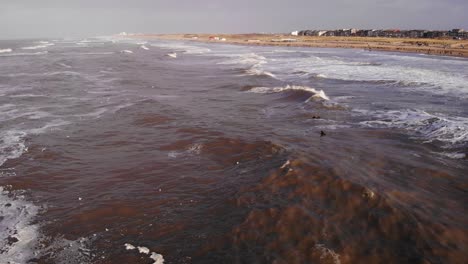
x=441, y=47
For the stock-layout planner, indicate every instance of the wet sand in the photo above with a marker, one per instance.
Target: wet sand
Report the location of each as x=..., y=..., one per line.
x=444, y=47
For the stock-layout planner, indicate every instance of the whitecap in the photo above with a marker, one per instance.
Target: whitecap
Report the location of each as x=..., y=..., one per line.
x=318, y=94
x=453, y=155
x=42, y=46
x=451, y=131
x=256, y=71
x=5, y=50
x=144, y=47
x=187, y=49
x=24, y=54
x=245, y=59
x=441, y=80
x=172, y=55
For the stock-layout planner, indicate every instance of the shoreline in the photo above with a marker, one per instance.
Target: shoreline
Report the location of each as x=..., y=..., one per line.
x=438, y=47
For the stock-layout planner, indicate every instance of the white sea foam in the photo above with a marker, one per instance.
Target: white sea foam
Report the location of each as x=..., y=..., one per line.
x=452, y=131
x=320, y=94
x=12, y=145
x=187, y=49
x=144, y=47
x=129, y=246
x=435, y=80
x=52, y=125
x=24, y=54
x=42, y=46
x=143, y=250
x=5, y=50
x=245, y=59
x=158, y=258
x=453, y=155
x=333, y=127
x=26, y=95
x=88, y=53
x=54, y=73
x=15, y=114
x=256, y=71
x=172, y=55
x=18, y=234
x=12, y=142
x=68, y=251
x=127, y=51
x=194, y=149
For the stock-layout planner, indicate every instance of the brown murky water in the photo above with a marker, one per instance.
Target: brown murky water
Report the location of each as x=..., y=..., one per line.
x=202, y=161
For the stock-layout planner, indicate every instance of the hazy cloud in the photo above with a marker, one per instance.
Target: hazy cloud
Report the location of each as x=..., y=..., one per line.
x=73, y=18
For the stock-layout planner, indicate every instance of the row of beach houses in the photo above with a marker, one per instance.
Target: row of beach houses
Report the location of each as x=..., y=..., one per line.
x=386, y=33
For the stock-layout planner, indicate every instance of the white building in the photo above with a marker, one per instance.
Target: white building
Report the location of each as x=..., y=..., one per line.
x=295, y=33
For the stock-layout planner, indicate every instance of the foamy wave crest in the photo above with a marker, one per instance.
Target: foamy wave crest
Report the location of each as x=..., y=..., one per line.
x=319, y=94
x=451, y=131
x=126, y=51
x=453, y=155
x=12, y=142
x=172, y=55
x=42, y=46
x=246, y=59
x=187, y=49
x=144, y=47
x=436, y=81
x=24, y=54
x=196, y=50
x=5, y=50
x=259, y=72
x=18, y=234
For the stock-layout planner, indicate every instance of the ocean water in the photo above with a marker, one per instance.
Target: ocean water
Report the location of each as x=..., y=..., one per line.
x=120, y=150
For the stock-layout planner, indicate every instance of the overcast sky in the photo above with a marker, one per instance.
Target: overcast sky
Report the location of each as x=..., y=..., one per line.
x=82, y=18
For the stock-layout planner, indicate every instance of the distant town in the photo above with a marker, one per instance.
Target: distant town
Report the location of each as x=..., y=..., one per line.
x=386, y=33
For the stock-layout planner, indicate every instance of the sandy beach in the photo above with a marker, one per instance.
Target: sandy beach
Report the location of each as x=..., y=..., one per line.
x=444, y=47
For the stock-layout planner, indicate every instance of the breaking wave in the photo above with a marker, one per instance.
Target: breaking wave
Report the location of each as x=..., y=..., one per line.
x=450, y=131
x=246, y=59
x=316, y=94
x=5, y=50
x=24, y=54
x=42, y=46
x=187, y=49
x=256, y=71
x=432, y=80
